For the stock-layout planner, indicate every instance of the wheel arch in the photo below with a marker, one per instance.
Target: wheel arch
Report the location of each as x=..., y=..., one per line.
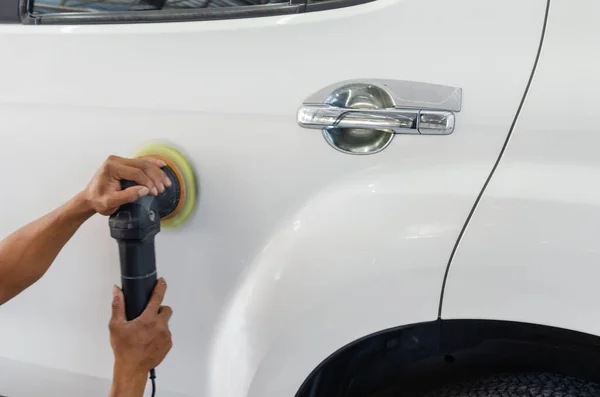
x=423, y=356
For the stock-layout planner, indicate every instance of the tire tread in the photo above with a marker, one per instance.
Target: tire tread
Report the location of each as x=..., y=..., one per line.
x=520, y=385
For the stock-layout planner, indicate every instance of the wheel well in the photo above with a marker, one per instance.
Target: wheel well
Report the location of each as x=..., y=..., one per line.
x=423, y=356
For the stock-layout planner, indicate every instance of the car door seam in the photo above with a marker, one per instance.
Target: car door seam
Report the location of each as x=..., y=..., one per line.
x=502, y=150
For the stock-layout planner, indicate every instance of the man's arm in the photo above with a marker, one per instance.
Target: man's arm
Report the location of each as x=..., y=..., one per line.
x=26, y=254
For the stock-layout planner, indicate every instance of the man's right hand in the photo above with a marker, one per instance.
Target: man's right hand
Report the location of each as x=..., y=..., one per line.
x=138, y=345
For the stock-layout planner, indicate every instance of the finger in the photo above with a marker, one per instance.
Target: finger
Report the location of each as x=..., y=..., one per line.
x=156, y=299
x=118, y=306
x=154, y=172
x=158, y=162
x=152, y=167
x=165, y=313
x=136, y=175
x=129, y=195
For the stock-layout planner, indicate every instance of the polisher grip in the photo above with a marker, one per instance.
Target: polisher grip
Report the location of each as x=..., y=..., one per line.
x=138, y=274
x=137, y=294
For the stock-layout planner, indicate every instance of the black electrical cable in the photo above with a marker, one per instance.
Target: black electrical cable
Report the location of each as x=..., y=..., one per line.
x=152, y=377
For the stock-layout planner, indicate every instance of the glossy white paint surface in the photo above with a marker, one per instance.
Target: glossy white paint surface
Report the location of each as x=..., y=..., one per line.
x=295, y=249
x=532, y=250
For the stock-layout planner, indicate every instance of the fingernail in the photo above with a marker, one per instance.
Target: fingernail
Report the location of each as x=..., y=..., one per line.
x=154, y=191
x=161, y=188
x=168, y=182
x=162, y=163
x=162, y=280
x=115, y=291
x=143, y=191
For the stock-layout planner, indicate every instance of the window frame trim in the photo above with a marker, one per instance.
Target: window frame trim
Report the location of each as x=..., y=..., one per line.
x=185, y=15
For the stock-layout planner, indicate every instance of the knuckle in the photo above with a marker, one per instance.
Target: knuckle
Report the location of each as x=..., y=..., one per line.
x=106, y=168
x=110, y=162
x=147, y=164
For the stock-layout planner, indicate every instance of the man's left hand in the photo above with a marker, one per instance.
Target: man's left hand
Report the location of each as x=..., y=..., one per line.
x=104, y=194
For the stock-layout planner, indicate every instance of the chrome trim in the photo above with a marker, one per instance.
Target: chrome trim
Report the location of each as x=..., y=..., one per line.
x=328, y=135
x=363, y=116
x=404, y=94
x=435, y=122
x=396, y=121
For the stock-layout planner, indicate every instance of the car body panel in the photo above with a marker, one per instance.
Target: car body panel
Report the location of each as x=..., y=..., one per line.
x=531, y=251
x=295, y=249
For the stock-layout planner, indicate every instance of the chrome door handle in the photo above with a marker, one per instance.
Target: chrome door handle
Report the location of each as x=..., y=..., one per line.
x=362, y=116
x=326, y=116
x=395, y=121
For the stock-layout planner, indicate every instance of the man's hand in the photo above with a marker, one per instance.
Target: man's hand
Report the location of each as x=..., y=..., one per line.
x=138, y=345
x=104, y=194
x=141, y=344
x=26, y=254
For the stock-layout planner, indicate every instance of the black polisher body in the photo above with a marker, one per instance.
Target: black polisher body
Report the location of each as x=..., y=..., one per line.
x=134, y=226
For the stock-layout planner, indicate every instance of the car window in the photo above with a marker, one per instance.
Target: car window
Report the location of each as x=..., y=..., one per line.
x=69, y=6
x=137, y=11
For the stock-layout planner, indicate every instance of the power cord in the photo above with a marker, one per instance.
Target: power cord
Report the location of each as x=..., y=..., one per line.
x=152, y=377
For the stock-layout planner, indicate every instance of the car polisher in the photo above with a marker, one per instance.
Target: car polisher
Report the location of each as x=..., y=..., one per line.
x=135, y=225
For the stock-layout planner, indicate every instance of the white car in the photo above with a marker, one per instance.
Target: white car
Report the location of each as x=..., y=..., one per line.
x=397, y=197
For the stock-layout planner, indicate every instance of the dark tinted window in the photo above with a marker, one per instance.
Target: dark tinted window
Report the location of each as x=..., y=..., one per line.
x=62, y=6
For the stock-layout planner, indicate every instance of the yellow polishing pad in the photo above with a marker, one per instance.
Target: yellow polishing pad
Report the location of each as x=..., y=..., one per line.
x=186, y=178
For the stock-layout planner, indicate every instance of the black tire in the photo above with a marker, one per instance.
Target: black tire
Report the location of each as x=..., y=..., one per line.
x=520, y=385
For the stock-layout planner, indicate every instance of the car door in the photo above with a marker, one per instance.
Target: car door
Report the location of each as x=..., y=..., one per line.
x=530, y=252
x=295, y=248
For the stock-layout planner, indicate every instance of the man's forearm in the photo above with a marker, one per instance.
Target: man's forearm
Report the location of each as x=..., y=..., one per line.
x=127, y=383
x=26, y=254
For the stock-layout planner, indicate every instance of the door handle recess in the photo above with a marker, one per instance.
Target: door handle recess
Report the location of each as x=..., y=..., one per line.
x=362, y=116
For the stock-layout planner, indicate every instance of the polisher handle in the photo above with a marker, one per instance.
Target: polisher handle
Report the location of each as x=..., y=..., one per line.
x=137, y=294
x=138, y=274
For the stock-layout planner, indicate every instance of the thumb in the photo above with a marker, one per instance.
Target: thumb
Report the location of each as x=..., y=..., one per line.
x=118, y=306
x=129, y=195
